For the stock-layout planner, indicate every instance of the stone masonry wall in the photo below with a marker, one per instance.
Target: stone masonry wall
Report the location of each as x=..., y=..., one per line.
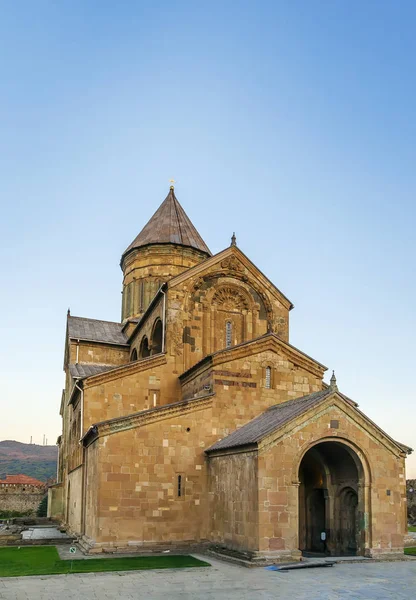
x=21, y=498
x=226, y=290
x=233, y=497
x=384, y=480
x=137, y=469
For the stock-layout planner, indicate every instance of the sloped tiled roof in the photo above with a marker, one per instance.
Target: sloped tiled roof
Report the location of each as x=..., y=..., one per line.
x=273, y=418
x=22, y=479
x=83, y=370
x=169, y=225
x=94, y=330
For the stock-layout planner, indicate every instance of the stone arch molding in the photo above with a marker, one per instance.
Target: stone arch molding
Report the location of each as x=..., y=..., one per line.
x=235, y=280
x=224, y=304
x=230, y=297
x=357, y=452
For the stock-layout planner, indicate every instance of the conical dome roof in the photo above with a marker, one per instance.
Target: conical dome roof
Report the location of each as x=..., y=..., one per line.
x=169, y=225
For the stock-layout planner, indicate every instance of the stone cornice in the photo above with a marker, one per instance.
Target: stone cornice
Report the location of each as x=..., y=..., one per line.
x=88, y=342
x=152, y=415
x=352, y=413
x=203, y=365
x=245, y=261
x=269, y=341
x=125, y=370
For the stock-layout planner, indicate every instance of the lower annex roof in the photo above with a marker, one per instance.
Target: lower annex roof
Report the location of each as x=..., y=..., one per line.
x=95, y=330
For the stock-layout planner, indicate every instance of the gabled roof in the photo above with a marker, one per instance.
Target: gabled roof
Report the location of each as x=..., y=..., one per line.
x=280, y=414
x=22, y=480
x=83, y=370
x=169, y=225
x=273, y=418
x=267, y=341
x=232, y=252
x=94, y=330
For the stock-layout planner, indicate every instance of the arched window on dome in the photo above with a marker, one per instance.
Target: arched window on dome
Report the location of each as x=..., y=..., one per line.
x=228, y=334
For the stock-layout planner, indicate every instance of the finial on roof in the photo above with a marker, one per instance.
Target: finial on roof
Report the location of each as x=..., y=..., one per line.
x=172, y=182
x=68, y=314
x=233, y=240
x=333, y=382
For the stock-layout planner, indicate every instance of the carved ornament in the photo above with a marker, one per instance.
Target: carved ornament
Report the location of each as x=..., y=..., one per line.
x=229, y=298
x=232, y=263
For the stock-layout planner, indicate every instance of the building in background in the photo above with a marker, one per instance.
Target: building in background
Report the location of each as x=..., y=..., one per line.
x=21, y=493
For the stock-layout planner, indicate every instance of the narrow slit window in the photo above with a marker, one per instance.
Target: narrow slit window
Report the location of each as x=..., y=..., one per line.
x=268, y=377
x=179, y=486
x=141, y=295
x=228, y=334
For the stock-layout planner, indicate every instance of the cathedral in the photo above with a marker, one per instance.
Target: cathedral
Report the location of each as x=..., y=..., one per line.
x=194, y=422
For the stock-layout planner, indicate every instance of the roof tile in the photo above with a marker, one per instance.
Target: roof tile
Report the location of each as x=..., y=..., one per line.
x=169, y=225
x=95, y=330
x=22, y=479
x=83, y=370
x=273, y=418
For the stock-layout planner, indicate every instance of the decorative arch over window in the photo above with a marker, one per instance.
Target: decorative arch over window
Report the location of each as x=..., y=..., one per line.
x=157, y=337
x=133, y=355
x=229, y=297
x=144, y=347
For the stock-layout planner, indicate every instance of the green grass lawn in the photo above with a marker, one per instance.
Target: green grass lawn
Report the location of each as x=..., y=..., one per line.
x=44, y=560
x=412, y=528
x=411, y=551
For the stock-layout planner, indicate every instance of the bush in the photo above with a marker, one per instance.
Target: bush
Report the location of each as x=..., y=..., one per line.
x=14, y=514
x=43, y=507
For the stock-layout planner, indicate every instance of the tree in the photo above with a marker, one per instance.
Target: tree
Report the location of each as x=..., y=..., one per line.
x=43, y=507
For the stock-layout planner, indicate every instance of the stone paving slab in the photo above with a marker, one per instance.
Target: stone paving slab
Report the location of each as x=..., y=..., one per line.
x=224, y=581
x=43, y=533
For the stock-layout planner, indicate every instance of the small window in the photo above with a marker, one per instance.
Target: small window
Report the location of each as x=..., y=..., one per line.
x=228, y=334
x=133, y=356
x=141, y=292
x=180, y=486
x=154, y=397
x=268, y=379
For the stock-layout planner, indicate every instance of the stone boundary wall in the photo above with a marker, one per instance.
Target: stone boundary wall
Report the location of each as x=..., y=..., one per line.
x=20, y=497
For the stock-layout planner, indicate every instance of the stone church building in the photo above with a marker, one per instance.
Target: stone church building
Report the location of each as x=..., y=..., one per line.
x=195, y=421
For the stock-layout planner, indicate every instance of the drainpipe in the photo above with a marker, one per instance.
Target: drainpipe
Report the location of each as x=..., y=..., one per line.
x=82, y=407
x=164, y=320
x=83, y=455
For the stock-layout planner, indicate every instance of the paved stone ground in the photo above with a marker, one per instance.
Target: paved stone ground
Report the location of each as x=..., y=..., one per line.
x=223, y=581
x=43, y=533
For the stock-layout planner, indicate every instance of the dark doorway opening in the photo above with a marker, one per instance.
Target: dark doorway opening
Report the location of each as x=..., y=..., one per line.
x=330, y=506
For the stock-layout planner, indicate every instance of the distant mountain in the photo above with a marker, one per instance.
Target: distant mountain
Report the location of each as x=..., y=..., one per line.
x=28, y=459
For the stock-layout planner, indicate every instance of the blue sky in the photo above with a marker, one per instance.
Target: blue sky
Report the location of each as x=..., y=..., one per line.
x=290, y=123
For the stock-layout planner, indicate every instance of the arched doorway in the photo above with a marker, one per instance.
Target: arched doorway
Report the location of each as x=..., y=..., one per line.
x=331, y=501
